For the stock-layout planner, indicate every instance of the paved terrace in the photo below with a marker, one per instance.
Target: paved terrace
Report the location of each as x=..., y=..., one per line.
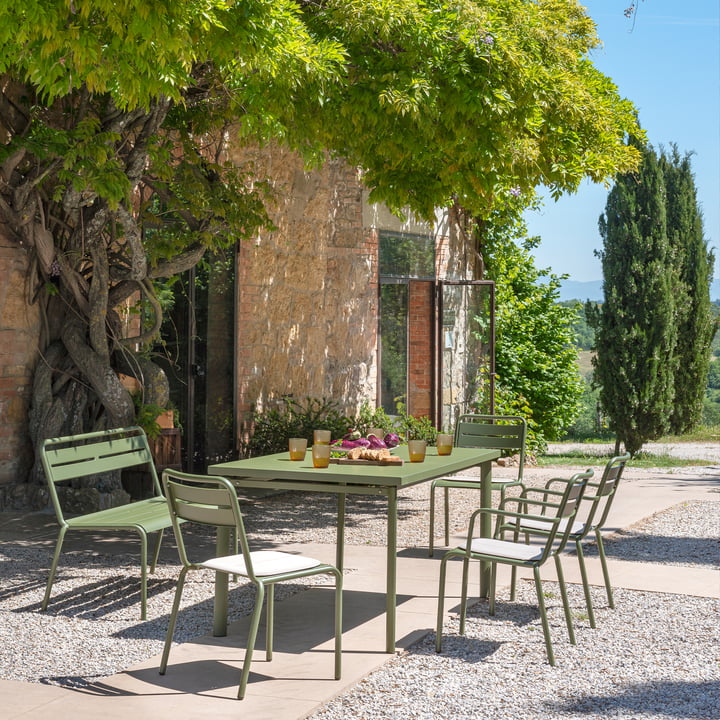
x=202, y=677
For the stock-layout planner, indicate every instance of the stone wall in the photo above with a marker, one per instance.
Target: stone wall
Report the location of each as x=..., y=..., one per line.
x=307, y=291
x=19, y=331
x=307, y=299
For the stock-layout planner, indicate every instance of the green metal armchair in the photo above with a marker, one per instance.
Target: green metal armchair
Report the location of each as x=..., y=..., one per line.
x=212, y=501
x=598, y=498
x=559, y=508
x=500, y=432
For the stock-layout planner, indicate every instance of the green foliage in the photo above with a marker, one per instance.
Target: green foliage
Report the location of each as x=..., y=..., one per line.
x=146, y=416
x=584, y=333
x=711, y=411
x=694, y=263
x=508, y=402
x=409, y=427
x=466, y=100
x=590, y=423
x=715, y=345
x=714, y=374
x=535, y=355
x=371, y=417
x=294, y=418
x=120, y=124
x=653, y=330
x=298, y=418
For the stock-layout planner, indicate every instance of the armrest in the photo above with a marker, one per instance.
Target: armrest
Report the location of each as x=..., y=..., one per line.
x=519, y=516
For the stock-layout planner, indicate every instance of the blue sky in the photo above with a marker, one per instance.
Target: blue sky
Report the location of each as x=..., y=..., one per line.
x=668, y=64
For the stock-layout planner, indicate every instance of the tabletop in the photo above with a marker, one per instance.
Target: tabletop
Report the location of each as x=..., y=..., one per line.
x=280, y=467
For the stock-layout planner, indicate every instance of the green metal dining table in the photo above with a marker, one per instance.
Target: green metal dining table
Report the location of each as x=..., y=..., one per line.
x=279, y=473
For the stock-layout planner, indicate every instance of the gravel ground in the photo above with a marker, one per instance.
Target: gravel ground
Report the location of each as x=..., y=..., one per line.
x=646, y=659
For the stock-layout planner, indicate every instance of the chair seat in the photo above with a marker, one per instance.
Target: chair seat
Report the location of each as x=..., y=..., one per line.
x=577, y=527
x=505, y=549
x=264, y=563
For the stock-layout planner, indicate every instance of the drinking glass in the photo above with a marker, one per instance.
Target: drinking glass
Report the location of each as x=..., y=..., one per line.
x=321, y=455
x=297, y=448
x=416, y=450
x=444, y=444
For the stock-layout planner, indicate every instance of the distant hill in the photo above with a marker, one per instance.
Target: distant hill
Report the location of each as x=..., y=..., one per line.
x=592, y=290
x=573, y=290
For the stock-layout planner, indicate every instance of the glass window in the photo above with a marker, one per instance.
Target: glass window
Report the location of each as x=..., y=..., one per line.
x=393, y=345
x=406, y=255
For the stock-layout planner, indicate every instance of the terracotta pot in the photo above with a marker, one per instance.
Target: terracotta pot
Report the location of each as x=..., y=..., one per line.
x=166, y=419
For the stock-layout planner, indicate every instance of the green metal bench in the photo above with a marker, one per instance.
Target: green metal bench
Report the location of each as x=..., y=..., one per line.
x=77, y=456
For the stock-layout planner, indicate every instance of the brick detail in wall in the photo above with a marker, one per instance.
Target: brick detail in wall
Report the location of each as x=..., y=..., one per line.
x=420, y=342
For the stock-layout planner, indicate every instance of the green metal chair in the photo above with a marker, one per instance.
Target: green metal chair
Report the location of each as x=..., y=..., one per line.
x=495, y=432
x=560, y=508
x=212, y=501
x=598, y=498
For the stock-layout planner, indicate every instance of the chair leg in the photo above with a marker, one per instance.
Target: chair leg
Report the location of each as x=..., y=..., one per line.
x=53, y=567
x=543, y=616
x=464, y=594
x=143, y=573
x=586, y=584
x=513, y=581
x=493, y=585
x=606, y=574
x=156, y=552
x=173, y=620
x=236, y=549
x=269, y=621
x=338, y=622
x=441, y=605
x=431, y=539
x=564, y=596
x=252, y=635
x=447, y=516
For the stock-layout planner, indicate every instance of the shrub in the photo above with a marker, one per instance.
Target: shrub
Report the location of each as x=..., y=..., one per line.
x=294, y=418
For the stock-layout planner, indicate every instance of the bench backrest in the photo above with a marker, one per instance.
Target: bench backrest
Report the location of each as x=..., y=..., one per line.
x=76, y=456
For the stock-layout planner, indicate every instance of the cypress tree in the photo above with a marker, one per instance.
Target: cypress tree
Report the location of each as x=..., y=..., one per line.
x=636, y=331
x=694, y=262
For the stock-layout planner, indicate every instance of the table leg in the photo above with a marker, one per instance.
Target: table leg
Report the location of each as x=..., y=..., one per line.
x=485, y=523
x=391, y=583
x=340, y=542
x=220, y=609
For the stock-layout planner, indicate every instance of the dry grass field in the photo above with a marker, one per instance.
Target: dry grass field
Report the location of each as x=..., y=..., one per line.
x=584, y=361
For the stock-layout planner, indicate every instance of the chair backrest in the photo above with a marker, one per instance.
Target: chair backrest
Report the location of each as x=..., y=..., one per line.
x=602, y=493
x=76, y=456
x=497, y=432
x=204, y=500
x=565, y=510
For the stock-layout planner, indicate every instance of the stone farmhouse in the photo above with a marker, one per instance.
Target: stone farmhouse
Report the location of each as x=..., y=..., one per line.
x=340, y=300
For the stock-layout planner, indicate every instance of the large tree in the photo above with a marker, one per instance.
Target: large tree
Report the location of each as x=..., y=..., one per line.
x=535, y=355
x=696, y=325
x=654, y=328
x=114, y=118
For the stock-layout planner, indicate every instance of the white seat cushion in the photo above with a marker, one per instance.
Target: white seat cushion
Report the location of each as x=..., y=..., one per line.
x=264, y=562
x=506, y=549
